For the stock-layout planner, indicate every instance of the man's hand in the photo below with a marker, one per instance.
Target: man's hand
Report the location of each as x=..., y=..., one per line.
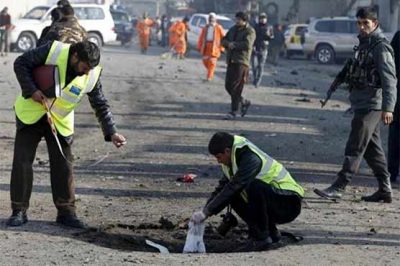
x=38, y=96
x=198, y=217
x=118, y=140
x=387, y=117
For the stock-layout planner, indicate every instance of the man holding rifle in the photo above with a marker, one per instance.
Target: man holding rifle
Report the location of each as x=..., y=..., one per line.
x=371, y=78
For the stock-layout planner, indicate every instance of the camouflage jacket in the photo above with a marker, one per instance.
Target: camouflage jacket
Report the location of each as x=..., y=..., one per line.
x=67, y=30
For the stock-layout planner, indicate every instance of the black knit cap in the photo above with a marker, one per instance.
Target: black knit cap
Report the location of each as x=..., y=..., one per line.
x=63, y=3
x=242, y=16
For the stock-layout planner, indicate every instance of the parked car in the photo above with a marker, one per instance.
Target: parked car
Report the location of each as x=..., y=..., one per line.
x=198, y=21
x=328, y=39
x=123, y=26
x=294, y=39
x=96, y=19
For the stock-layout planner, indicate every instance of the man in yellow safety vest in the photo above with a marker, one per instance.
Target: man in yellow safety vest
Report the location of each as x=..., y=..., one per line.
x=257, y=187
x=77, y=73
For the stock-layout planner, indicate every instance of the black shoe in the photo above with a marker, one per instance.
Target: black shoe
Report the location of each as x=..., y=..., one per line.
x=329, y=193
x=275, y=234
x=230, y=116
x=70, y=220
x=256, y=245
x=245, y=107
x=378, y=196
x=17, y=218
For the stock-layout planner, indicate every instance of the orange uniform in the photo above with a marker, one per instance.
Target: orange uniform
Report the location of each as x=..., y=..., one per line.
x=177, y=39
x=143, y=28
x=209, y=45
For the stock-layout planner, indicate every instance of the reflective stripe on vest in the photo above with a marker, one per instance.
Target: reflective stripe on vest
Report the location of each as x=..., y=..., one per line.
x=29, y=111
x=52, y=60
x=70, y=97
x=271, y=172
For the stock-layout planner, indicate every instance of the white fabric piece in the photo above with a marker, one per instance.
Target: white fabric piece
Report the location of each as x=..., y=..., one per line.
x=210, y=33
x=162, y=249
x=194, y=239
x=198, y=217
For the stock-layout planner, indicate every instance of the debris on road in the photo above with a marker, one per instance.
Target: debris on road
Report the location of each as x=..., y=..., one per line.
x=188, y=178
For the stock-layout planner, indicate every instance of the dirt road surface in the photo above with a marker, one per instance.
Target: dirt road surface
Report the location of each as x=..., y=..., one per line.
x=168, y=113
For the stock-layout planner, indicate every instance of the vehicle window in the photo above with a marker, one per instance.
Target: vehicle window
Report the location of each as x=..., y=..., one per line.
x=324, y=26
x=225, y=23
x=120, y=17
x=202, y=22
x=342, y=26
x=37, y=12
x=195, y=20
x=300, y=30
x=353, y=26
x=89, y=13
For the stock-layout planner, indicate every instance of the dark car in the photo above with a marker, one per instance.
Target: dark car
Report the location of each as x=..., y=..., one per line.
x=123, y=26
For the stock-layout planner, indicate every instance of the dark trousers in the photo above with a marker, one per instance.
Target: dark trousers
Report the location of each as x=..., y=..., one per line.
x=364, y=141
x=236, y=75
x=394, y=147
x=4, y=41
x=266, y=208
x=61, y=175
x=257, y=65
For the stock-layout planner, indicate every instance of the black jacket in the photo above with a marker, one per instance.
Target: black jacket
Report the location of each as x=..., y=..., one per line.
x=23, y=67
x=395, y=43
x=263, y=36
x=249, y=165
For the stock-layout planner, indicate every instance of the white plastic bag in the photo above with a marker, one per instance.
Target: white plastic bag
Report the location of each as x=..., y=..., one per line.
x=194, y=239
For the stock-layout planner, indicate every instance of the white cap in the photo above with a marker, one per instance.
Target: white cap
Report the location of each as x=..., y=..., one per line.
x=212, y=14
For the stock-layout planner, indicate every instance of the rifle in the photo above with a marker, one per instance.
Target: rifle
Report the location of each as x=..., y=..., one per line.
x=340, y=78
x=331, y=90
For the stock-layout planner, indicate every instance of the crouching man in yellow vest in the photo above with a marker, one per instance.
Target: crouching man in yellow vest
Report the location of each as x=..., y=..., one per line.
x=258, y=188
x=77, y=74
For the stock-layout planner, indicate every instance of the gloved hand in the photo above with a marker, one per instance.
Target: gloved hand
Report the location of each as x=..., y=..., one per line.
x=198, y=217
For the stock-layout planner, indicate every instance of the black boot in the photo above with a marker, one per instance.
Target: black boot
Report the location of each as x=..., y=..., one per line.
x=274, y=233
x=70, y=220
x=378, y=196
x=245, y=106
x=329, y=193
x=17, y=218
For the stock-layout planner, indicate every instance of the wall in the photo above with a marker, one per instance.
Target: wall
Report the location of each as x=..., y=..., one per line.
x=300, y=11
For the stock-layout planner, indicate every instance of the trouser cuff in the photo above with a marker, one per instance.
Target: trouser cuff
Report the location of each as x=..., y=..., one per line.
x=19, y=206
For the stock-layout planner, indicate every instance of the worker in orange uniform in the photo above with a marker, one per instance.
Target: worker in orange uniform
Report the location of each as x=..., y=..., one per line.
x=143, y=28
x=178, y=41
x=209, y=44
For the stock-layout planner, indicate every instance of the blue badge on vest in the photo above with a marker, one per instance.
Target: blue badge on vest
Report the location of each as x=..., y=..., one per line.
x=75, y=90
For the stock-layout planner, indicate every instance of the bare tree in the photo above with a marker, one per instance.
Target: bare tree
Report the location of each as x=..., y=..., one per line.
x=349, y=7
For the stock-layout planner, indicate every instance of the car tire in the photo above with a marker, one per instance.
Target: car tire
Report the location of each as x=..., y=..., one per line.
x=26, y=41
x=325, y=54
x=95, y=38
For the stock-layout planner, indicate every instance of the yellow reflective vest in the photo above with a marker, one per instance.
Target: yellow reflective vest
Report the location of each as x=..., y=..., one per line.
x=62, y=107
x=272, y=172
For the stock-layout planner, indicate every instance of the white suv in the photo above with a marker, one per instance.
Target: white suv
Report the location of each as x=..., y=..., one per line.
x=96, y=19
x=330, y=38
x=198, y=21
